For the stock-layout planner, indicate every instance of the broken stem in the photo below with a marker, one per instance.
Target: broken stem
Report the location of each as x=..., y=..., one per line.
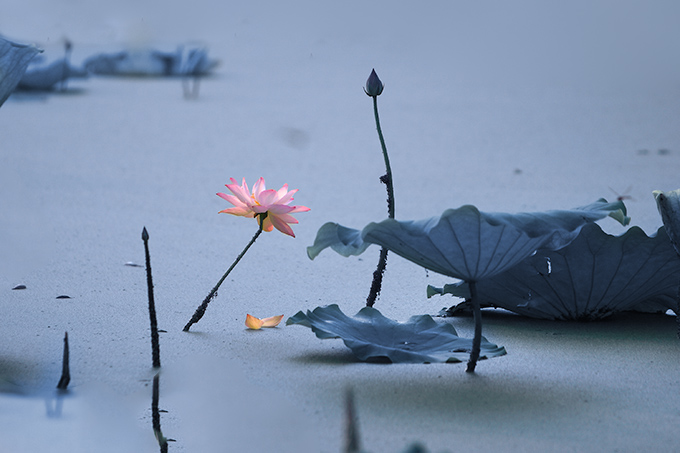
x=65, y=369
x=200, y=311
x=477, y=340
x=155, y=347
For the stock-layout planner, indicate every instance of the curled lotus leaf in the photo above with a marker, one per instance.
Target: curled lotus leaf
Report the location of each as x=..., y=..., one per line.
x=595, y=276
x=14, y=59
x=465, y=243
x=372, y=336
x=668, y=204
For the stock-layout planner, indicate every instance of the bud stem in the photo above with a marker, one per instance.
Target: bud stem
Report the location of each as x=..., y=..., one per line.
x=388, y=174
x=376, y=285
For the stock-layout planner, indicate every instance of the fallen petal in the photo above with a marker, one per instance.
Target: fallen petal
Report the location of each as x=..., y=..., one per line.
x=253, y=323
x=272, y=321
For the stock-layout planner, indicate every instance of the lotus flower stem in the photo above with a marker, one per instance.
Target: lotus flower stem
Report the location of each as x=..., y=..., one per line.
x=373, y=88
x=200, y=311
x=155, y=347
x=477, y=339
x=65, y=369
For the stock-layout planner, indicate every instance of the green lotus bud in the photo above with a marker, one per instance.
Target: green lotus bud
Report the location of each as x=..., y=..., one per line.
x=668, y=204
x=373, y=85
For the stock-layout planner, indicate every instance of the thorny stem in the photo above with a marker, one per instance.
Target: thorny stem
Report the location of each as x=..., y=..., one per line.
x=477, y=340
x=376, y=285
x=387, y=179
x=155, y=347
x=200, y=311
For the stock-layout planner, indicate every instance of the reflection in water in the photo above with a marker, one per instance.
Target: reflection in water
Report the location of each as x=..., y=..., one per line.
x=156, y=417
x=54, y=404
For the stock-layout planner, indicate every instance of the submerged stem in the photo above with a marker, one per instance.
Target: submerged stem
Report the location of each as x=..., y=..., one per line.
x=376, y=285
x=477, y=340
x=200, y=311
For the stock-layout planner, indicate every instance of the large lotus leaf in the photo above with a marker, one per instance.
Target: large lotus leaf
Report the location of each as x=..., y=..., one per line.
x=668, y=204
x=595, y=276
x=466, y=243
x=370, y=335
x=14, y=59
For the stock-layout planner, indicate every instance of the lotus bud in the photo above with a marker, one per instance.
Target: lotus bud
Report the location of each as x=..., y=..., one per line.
x=668, y=204
x=373, y=85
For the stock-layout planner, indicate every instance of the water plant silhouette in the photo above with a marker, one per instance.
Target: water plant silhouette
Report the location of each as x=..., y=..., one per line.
x=373, y=337
x=467, y=244
x=374, y=88
x=595, y=276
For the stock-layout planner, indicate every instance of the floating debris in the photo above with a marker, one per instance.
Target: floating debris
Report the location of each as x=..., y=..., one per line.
x=19, y=287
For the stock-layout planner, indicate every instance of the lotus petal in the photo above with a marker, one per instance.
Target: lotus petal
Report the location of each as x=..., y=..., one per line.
x=596, y=275
x=272, y=321
x=466, y=243
x=253, y=323
x=14, y=59
x=371, y=336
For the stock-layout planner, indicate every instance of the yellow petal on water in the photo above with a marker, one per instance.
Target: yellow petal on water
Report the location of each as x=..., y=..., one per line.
x=253, y=323
x=272, y=321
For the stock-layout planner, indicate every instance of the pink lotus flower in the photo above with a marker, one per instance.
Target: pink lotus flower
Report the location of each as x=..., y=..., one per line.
x=275, y=203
